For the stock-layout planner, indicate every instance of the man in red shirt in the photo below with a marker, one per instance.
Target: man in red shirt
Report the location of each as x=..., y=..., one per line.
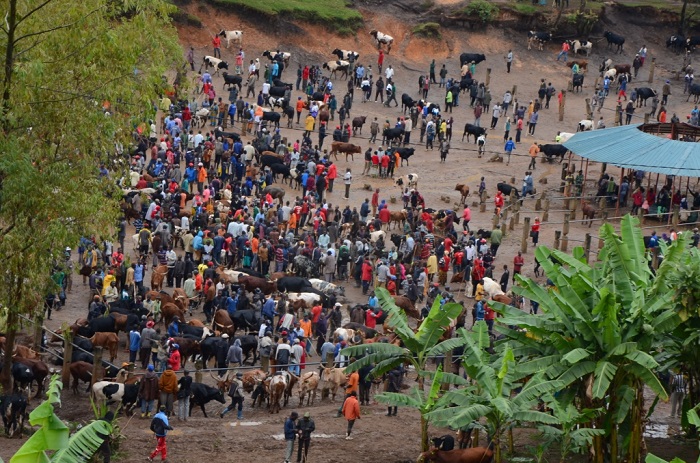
x=366, y=275
x=385, y=216
x=489, y=316
x=332, y=175
x=518, y=262
x=216, y=41
x=315, y=315
x=371, y=316
x=380, y=60
x=385, y=166
x=375, y=201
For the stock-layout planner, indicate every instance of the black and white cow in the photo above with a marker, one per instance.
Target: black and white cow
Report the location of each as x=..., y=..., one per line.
x=345, y=54
x=201, y=394
x=327, y=288
x=676, y=43
x=127, y=394
x=540, y=38
x=14, y=409
x=582, y=47
x=233, y=80
x=615, y=39
x=216, y=63
x=338, y=65
x=232, y=36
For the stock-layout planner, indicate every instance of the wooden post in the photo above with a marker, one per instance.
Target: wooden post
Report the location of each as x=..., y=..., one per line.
x=675, y=218
x=640, y=214
x=97, y=370
x=67, y=355
x=515, y=89
x=557, y=237
x=511, y=225
x=651, y=70
x=198, y=365
x=567, y=204
x=330, y=359
x=562, y=104
x=504, y=226
x=601, y=204
x=587, y=246
x=545, y=214
x=482, y=207
x=39, y=332
x=646, y=118
x=516, y=217
x=488, y=77
x=483, y=196
x=655, y=257
x=526, y=234
x=494, y=221
x=567, y=218
x=565, y=242
x=538, y=204
x=589, y=110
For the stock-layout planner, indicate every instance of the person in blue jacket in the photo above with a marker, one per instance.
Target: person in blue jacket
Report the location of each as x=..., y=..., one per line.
x=160, y=426
x=290, y=434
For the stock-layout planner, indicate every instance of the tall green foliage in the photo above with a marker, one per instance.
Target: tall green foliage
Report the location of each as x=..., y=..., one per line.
x=58, y=78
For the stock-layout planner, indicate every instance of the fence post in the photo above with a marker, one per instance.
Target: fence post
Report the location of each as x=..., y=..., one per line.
x=651, y=70
x=198, y=365
x=38, y=332
x=601, y=204
x=97, y=370
x=511, y=225
x=567, y=217
x=67, y=354
x=640, y=213
x=562, y=104
x=655, y=257
x=526, y=231
x=494, y=221
x=574, y=207
x=674, y=217
x=516, y=217
x=488, y=77
x=557, y=237
x=545, y=215
x=565, y=242
x=587, y=246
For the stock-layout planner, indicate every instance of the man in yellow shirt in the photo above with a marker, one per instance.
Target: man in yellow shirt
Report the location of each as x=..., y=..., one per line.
x=480, y=293
x=534, y=151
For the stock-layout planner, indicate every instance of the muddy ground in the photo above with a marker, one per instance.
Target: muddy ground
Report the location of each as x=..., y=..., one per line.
x=257, y=438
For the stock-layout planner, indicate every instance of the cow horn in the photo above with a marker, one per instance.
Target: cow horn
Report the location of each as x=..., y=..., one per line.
x=214, y=377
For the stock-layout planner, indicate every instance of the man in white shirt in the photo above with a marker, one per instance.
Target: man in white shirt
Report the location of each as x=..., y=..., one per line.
x=389, y=72
x=198, y=139
x=495, y=114
x=347, y=179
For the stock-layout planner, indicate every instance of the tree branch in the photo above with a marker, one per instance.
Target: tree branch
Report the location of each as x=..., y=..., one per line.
x=54, y=29
x=31, y=12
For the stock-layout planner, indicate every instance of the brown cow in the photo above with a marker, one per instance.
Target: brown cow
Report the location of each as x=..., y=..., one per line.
x=196, y=323
x=464, y=190
x=331, y=380
x=582, y=64
x=472, y=455
x=222, y=323
x=278, y=386
x=357, y=123
x=158, y=276
x=251, y=378
x=345, y=148
x=169, y=311
x=291, y=382
x=25, y=352
x=188, y=348
x=308, y=384
x=109, y=341
x=407, y=306
x=251, y=283
x=81, y=371
x=39, y=370
x=180, y=298
x=588, y=212
x=398, y=217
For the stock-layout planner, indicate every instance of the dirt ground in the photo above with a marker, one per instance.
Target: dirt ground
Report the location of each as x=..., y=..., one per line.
x=257, y=437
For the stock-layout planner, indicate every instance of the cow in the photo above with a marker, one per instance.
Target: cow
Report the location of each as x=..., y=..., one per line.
x=308, y=384
x=127, y=394
x=272, y=116
x=407, y=306
x=584, y=125
x=124, y=322
x=251, y=283
x=492, y=288
x=610, y=74
x=588, y=212
x=694, y=91
x=360, y=328
x=408, y=180
x=445, y=442
x=327, y=288
x=278, y=91
x=376, y=236
x=506, y=189
x=222, y=322
x=345, y=148
x=623, y=69
x=464, y=191
x=615, y=39
x=304, y=267
x=582, y=64
x=232, y=80
x=540, y=38
x=201, y=394
x=275, y=192
x=476, y=58
x=331, y=380
x=357, y=123
x=407, y=102
x=552, y=151
x=676, y=43
x=471, y=129
x=393, y=134
x=278, y=386
x=109, y=341
x=252, y=378
x=216, y=63
x=345, y=54
x=188, y=348
x=382, y=38
x=293, y=284
x=577, y=82
x=280, y=169
x=305, y=300
x=643, y=94
x=691, y=42
x=398, y=217
x=81, y=371
x=582, y=47
x=23, y=377
x=405, y=153
x=157, y=277
x=39, y=370
x=471, y=455
x=286, y=56
x=232, y=36
x=14, y=409
x=466, y=82
x=268, y=160
x=171, y=310
x=335, y=66
x=245, y=320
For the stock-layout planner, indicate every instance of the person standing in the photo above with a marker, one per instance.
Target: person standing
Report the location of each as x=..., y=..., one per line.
x=347, y=179
x=432, y=72
x=304, y=428
x=351, y=411
x=216, y=42
x=148, y=391
x=168, y=388
x=534, y=150
x=380, y=60
x=290, y=435
x=504, y=279
x=190, y=59
x=509, y=147
x=518, y=263
x=496, y=237
x=160, y=426
x=394, y=385
x=535, y=231
x=678, y=386
x=134, y=343
x=148, y=337
x=183, y=396
x=236, y=393
x=533, y=122
x=509, y=60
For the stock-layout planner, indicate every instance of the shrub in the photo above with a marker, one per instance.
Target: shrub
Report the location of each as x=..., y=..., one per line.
x=429, y=30
x=482, y=9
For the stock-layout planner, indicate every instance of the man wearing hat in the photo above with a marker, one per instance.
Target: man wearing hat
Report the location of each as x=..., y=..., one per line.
x=290, y=435
x=183, y=395
x=148, y=337
x=304, y=427
x=160, y=426
x=236, y=393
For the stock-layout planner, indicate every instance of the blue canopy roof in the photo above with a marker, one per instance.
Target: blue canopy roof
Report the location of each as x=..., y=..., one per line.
x=627, y=146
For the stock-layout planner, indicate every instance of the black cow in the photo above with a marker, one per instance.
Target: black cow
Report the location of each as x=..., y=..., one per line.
x=277, y=91
x=676, y=43
x=245, y=320
x=407, y=102
x=393, y=134
x=691, y=42
x=615, y=39
x=643, y=94
x=233, y=80
x=249, y=345
x=471, y=129
x=694, y=91
x=304, y=267
x=196, y=332
x=210, y=347
x=293, y=284
x=445, y=443
x=539, y=37
x=317, y=96
x=554, y=150
x=270, y=160
x=465, y=83
x=405, y=153
x=278, y=169
x=279, y=83
x=578, y=82
x=469, y=57
x=14, y=409
x=221, y=134
x=506, y=189
x=22, y=375
x=272, y=116
x=201, y=394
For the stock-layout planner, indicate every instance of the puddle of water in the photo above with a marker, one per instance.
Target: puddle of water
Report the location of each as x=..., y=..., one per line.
x=245, y=423
x=313, y=436
x=656, y=430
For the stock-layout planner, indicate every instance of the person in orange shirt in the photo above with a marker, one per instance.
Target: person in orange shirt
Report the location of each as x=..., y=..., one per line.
x=201, y=177
x=351, y=411
x=534, y=150
x=216, y=42
x=352, y=385
x=299, y=108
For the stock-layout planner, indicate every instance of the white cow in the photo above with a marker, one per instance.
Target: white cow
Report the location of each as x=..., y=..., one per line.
x=232, y=36
x=310, y=299
x=492, y=288
x=585, y=125
x=338, y=65
x=326, y=287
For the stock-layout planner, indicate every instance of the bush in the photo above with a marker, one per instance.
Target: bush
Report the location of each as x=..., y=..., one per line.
x=428, y=30
x=524, y=8
x=482, y=9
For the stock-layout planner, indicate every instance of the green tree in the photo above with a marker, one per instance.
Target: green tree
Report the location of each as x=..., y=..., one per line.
x=597, y=331
x=73, y=90
x=419, y=347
